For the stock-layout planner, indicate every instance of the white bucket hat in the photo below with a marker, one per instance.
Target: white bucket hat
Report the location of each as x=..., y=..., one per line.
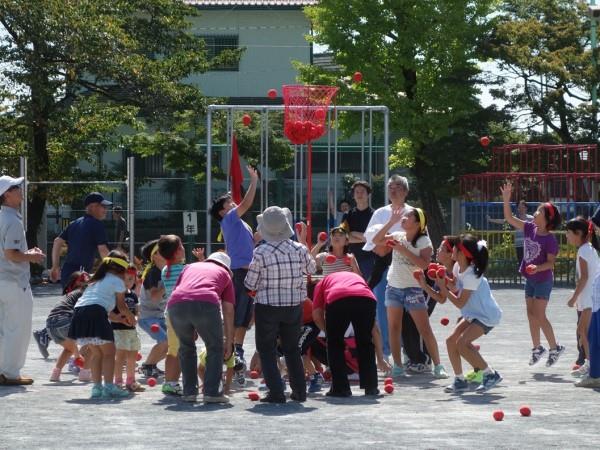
x=221, y=258
x=274, y=224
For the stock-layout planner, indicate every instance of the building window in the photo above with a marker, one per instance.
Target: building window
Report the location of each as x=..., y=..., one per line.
x=215, y=45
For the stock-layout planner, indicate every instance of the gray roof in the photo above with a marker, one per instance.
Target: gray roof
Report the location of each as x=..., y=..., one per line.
x=252, y=3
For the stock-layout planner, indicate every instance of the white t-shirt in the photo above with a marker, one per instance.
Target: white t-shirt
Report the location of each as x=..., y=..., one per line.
x=401, y=271
x=589, y=254
x=379, y=218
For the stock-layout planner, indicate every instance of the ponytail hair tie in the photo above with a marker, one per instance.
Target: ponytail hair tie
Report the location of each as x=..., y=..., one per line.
x=590, y=229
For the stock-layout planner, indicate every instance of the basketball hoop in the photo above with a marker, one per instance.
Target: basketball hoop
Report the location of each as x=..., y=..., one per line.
x=304, y=121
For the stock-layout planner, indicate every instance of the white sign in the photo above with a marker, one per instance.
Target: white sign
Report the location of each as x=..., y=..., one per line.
x=190, y=223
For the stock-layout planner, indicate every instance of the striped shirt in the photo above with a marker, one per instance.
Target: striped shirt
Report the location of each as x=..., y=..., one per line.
x=338, y=266
x=169, y=283
x=277, y=273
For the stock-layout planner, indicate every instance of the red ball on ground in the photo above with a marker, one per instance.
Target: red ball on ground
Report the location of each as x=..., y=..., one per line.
x=357, y=77
x=445, y=321
x=322, y=236
x=246, y=119
x=253, y=396
x=151, y=382
x=272, y=93
x=79, y=361
x=525, y=411
x=154, y=328
x=498, y=415
x=330, y=259
x=388, y=380
x=254, y=374
x=389, y=388
x=138, y=357
x=484, y=141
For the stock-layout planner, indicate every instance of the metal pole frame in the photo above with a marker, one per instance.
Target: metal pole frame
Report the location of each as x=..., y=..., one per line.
x=129, y=186
x=281, y=108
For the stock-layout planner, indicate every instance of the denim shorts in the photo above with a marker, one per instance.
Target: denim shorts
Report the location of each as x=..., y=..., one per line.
x=244, y=304
x=483, y=326
x=146, y=325
x=538, y=289
x=59, y=334
x=411, y=299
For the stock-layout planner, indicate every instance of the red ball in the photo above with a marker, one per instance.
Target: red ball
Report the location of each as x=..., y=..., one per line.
x=251, y=294
x=525, y=411
x=498, y=415
x=254, y=374
x=431, y=273
x=138, y=357
x=484, y=141
x=327, y=375
x=530, y=269
x=272, y=93
x=246, y=119
x=151, y=382
x=330, y=259
x=389, y=388
x=322, y=236
x=253, y=396
x=154, y=328
x=441, y=272
x=388, y=380
x=445, y=321
x=320, y=114
x=79, y=361
x=357, y=77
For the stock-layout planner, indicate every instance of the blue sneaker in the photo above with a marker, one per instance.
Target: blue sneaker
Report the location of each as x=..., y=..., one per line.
x=398, y=372
x=114, y=391
x=96, y=391
x=459, y=385
x=316, y=383
x=489, y=381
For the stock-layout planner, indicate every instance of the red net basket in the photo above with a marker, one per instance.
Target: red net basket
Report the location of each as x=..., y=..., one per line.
x=306, y=111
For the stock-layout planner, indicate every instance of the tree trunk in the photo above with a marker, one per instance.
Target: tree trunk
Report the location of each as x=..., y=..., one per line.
x=436, y=224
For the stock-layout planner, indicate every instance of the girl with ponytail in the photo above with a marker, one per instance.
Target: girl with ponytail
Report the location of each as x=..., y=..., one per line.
x=580, y=233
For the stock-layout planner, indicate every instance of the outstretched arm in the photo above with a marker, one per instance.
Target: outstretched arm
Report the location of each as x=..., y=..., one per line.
x=249, y=197
x=506, y=191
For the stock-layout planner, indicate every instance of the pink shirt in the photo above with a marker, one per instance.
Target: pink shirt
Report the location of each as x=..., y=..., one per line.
x=203, y=282
x=339, y=285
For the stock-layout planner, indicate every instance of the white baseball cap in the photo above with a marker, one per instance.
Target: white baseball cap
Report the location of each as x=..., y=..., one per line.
x=7, y=182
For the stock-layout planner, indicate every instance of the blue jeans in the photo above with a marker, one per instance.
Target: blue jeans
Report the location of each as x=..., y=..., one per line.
x=379, y=292
x=205, y=318
x=146, y=325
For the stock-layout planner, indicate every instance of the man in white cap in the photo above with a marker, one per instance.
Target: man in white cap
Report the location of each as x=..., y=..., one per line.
x=16, y=299
x=277, y=274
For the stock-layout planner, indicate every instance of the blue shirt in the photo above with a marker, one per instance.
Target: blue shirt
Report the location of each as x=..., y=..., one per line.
x=83, y=236
x=103, y=292
x=169, y=283
x=481, y=304
x=239, y=241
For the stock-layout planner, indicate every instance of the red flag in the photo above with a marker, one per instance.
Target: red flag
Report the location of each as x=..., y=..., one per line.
x=235, y=172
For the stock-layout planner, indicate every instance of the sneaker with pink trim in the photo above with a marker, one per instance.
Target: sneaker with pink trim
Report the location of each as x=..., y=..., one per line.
x=55, y=376
x=85, y=375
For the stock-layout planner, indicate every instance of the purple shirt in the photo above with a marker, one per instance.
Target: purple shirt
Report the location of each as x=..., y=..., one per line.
x=203, y=282
x=238, y=238
x=536, y=250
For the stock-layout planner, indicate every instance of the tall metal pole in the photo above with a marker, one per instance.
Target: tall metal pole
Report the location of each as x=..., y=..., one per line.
x=23, y=173
x=386, y=151
x=593, y=42
x=208, y=178
x=131, y=205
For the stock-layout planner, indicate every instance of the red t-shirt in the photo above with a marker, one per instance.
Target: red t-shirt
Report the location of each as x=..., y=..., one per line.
x=307, y=308
x=204, y=282
x=339, y=285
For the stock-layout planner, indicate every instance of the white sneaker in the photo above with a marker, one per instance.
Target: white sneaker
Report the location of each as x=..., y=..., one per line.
x=216, y=399
x=582, y=371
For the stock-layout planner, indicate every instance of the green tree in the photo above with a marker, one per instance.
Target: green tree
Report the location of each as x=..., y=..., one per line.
x=96, y=75
x=543, y=50
x=418, y=57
